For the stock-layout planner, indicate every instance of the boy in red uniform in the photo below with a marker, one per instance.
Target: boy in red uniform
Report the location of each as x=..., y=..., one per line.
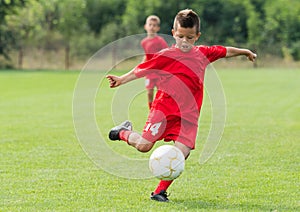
x=176, y=107
x=152, y=44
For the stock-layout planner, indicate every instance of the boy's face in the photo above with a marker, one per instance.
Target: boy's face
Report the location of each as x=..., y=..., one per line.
x=151, y=27
x=185, y=37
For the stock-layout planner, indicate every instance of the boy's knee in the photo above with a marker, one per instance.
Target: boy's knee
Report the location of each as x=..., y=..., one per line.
x=140, y=143
x=143, y=147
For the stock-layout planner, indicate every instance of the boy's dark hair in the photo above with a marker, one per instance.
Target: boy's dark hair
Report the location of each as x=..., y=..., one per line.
x=188, y=19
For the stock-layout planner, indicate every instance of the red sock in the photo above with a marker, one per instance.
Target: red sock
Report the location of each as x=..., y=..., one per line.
x=124, y=135
x=163, y=185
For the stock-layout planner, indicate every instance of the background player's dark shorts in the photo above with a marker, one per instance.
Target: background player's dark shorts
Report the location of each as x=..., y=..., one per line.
x=170, y=128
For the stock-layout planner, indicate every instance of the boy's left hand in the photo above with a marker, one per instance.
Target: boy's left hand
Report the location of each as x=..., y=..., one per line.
x=252, y=56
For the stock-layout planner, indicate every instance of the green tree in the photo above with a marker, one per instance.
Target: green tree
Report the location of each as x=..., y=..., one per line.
x=23, y=24
x=134, y=16
x=82, y=25
x=7, y=7
x=71, y=23
x=222, y=22
x=137, y=12
x=48, y=34
x=255, y=22
x=100, y=13
x=282, y=25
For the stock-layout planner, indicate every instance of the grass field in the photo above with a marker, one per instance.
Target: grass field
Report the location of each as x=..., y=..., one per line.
x=255, y=168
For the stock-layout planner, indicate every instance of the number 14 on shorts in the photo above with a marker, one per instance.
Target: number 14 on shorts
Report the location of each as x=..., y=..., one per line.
x=153, y=128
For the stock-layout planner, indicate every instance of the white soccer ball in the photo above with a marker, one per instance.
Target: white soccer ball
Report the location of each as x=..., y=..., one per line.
x=166, y=162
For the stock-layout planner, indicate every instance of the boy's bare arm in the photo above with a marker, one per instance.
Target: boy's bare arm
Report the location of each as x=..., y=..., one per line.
x=115, y=81
x=233, y=51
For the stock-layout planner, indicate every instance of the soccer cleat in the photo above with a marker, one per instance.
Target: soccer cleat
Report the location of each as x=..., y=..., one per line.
x=160, y=197
x=114, y=132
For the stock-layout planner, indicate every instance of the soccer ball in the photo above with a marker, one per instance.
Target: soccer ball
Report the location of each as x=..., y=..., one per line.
x=166, y=162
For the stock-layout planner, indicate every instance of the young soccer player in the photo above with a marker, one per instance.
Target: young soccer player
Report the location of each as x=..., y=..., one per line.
x=152, y=44
x=176, y=107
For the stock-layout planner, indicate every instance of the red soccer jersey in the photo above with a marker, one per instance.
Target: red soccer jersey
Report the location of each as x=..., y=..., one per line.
x=181, y=77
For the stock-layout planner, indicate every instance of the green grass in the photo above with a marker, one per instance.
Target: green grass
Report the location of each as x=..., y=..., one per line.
x=255, y=168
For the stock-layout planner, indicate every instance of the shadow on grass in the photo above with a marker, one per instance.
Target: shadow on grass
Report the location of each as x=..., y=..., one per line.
x=196, y=204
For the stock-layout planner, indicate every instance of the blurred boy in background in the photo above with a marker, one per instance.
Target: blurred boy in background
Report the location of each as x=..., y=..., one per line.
x=152, y=44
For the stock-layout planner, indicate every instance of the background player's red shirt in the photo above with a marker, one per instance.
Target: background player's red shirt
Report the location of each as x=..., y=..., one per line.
x=153, y=45
x=181, y=77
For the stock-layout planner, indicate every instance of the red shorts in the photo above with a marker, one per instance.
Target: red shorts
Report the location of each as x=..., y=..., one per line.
x=170, y=128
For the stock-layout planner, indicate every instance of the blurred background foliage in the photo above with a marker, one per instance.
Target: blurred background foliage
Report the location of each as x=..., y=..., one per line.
x=79, y=28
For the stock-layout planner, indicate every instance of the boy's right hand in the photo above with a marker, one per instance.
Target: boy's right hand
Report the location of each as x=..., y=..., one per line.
x=114, y=81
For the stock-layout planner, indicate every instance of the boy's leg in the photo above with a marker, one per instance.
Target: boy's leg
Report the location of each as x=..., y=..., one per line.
x=185, y=149
x=153, y=131
x=124, y=132
x=160, y=193
x=150, y=84
x=150, y=94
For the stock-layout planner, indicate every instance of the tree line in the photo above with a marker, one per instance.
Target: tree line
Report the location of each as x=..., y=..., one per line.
x=82, y=27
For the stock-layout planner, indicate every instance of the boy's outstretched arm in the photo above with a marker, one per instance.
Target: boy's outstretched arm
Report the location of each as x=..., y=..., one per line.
x=232, y=52
x=115, y=81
